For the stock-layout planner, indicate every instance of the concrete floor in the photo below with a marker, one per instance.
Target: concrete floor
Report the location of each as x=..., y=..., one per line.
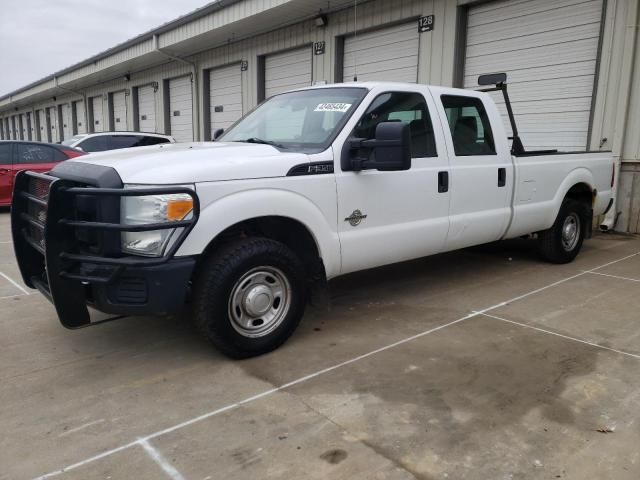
x=400, y=380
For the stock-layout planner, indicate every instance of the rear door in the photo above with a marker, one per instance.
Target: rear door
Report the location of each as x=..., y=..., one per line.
x=481, y=180
x=6, y=173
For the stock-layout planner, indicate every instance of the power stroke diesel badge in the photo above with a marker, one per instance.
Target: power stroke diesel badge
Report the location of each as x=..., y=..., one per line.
x=355, y=218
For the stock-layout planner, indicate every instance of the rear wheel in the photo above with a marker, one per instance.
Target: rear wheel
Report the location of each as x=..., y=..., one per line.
x=563, y=241
x=250, y=296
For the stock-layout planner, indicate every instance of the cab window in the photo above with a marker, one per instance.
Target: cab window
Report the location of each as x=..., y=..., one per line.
x=469, y=125
x=405, y=107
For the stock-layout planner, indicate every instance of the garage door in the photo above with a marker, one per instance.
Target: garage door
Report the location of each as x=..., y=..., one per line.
x=287, y=71
x=548, y=49
x=389, y=54
x=225, y=96
x=146, y=109
x=30, y=127
x=52, y=123
x=97, y=118
x=119, y=112
x=24, y=126
x=181, y=109
x=41, y=135
x=79, y=117
x=67, y=124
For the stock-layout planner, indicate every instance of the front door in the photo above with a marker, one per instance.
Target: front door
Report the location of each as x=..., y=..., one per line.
x=386, y=217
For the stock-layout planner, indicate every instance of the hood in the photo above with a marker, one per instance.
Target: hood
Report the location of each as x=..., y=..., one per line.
x=195, y=162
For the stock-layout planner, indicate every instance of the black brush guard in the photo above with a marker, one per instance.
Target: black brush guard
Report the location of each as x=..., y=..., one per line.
x=46, y=223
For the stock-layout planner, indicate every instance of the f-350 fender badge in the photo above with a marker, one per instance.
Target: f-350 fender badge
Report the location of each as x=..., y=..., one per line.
x=355, y=218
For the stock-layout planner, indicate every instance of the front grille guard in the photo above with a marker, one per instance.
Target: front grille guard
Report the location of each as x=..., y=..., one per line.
x=47, y=248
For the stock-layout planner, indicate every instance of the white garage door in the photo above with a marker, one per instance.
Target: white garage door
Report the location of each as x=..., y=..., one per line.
x=548, y=49
x=24, y=126
x=389, y=54
x=52, y=116
x=42, y=126
x=67, y=124
x=181, y=109
x=287, y=71
x=97, y=120
x=146, y=109
x=225, y=96
x=81, y=123
x=119, y=112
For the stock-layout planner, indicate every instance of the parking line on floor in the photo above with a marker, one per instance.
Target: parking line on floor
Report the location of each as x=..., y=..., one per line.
x=567, y=337
x=14, y=283
x=13, y=296
x=614, y=276
x=310, y=376
x=157, y=457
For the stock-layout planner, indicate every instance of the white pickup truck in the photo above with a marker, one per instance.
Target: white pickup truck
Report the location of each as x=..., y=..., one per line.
x=312, y=184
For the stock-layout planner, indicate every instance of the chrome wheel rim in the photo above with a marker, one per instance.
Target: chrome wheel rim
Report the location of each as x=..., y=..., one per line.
x=570, y=232
x=259, y=302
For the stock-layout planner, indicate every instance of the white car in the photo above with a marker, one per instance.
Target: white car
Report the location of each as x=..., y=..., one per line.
x=103, y=141
x=313, y=184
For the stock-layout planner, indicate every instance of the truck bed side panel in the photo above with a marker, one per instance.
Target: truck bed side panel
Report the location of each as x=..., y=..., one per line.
x=542, y=182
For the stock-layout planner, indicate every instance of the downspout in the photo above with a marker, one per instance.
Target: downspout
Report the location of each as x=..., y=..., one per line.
x=84, y=101
x=196, y=82
x=612, y=215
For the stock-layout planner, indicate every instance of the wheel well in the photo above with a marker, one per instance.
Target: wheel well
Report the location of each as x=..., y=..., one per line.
x=286, y=230
x=582, y=193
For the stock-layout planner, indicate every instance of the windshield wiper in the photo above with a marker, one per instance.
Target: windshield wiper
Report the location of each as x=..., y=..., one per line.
x=261, y=141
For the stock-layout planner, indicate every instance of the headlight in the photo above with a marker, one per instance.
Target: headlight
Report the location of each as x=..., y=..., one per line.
x=137, y=210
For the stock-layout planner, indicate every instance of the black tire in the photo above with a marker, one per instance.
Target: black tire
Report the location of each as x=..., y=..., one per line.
x=217, y=286
x=554, y=246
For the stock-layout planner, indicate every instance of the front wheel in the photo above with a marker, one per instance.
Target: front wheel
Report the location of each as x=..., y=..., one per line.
x=250, y=296
x=563, y=241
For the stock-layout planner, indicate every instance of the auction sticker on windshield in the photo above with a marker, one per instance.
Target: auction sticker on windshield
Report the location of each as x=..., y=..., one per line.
x=333, y=107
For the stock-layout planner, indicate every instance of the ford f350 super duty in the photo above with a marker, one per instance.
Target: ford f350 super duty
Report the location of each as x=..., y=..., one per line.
x=312, y=184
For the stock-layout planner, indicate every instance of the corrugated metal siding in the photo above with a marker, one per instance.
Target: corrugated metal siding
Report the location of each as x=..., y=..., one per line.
x=119, y=111
x=287, y=70
x=181, y=109
x=386, y=54
x=98, y=117
x=548, y=49
x=147, y=109
x=225, y=96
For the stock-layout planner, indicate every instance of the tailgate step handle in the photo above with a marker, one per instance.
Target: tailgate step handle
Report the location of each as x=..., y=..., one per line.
x=443, y=182
x=502, y=177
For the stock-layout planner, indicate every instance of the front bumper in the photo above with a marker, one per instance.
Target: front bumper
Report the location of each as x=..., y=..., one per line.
x=66, y=236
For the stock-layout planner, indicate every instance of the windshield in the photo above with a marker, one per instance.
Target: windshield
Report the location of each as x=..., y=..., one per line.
x=73, y=139
x=306, y=120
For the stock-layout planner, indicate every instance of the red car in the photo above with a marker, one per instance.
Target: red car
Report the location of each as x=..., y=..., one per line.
x=17, y=155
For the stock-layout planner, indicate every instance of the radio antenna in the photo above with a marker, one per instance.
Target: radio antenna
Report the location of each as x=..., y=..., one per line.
x=355, y=38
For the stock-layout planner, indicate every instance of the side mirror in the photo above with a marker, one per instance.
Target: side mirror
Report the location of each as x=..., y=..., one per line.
x=389, y=151
x=217, y=134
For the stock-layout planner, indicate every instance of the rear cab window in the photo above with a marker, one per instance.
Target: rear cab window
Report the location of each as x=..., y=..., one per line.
x=469, y=125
